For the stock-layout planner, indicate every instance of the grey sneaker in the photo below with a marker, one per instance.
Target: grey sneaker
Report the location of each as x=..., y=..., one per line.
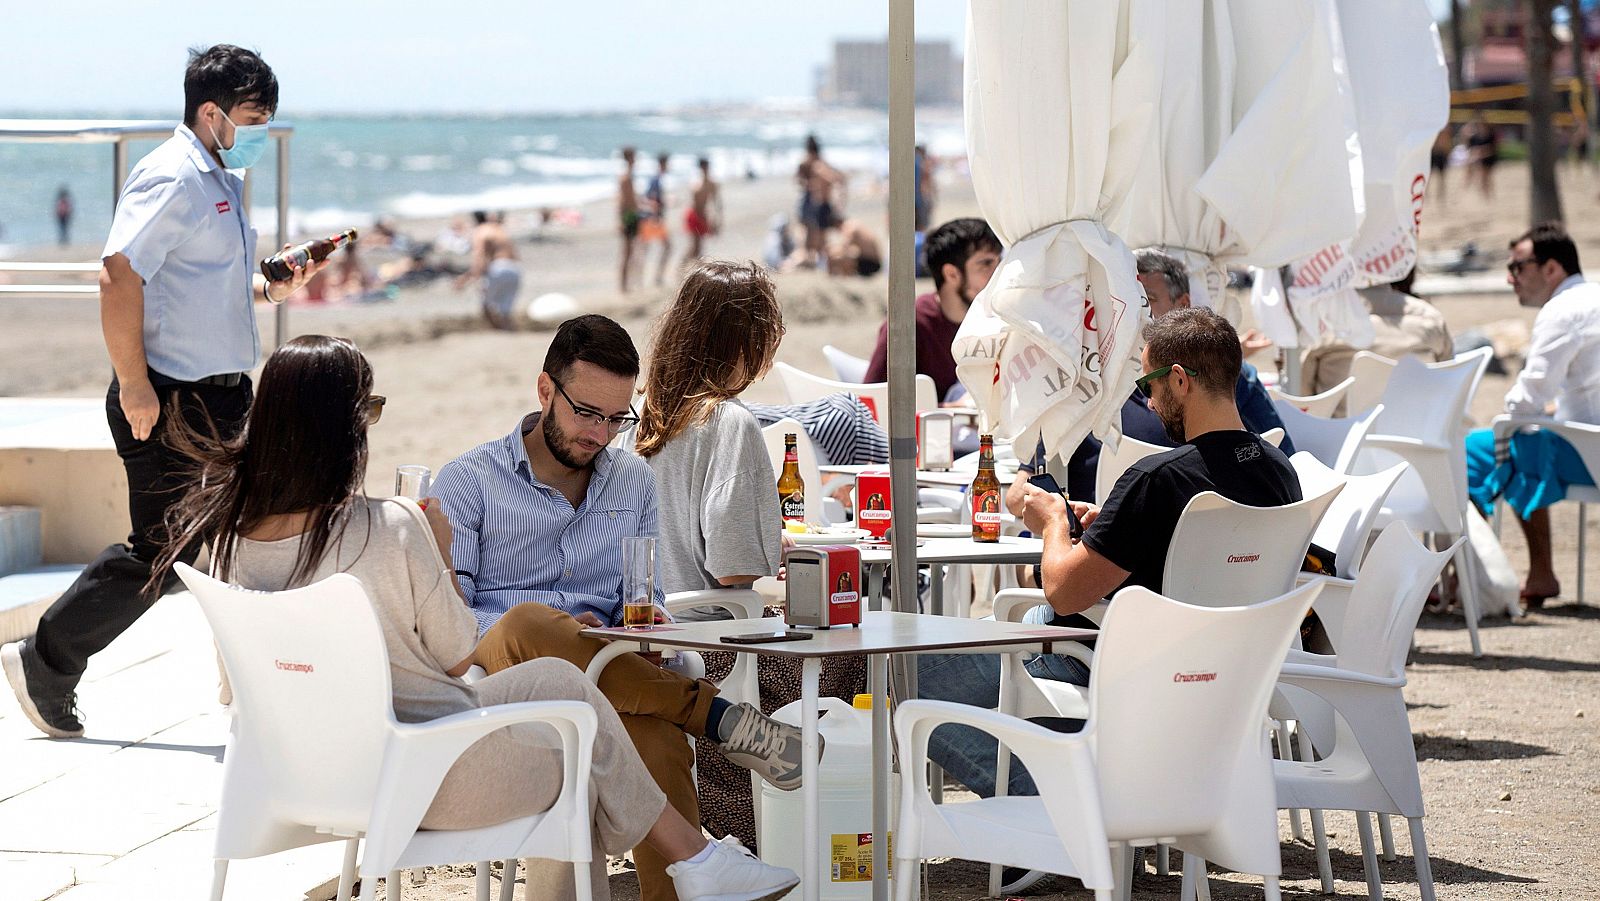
x=731, y=873
x=763, y=745
x=54, y=713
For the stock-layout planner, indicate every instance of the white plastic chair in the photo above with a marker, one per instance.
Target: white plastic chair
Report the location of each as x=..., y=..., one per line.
x=1224, y=554
x=802, y=386
x=742, y=603
x=1113, y=463
x=1349, y=520
x=1172, y=751
x=1368, y=762
x=1333, y=441
x=821, y=508
x=848, y=367
x=315, y=753
x=1323, y=404
x=1424, y=406
x=1585, y=439
x=1273, y=436
x=1370, y=373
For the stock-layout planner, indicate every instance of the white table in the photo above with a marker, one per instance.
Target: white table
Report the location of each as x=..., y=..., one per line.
x=880, y=635
x=941, y=552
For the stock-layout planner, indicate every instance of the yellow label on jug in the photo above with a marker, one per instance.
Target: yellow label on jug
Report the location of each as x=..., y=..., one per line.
x=852, y=856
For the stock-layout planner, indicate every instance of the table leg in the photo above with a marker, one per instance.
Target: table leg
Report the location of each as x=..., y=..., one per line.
x=882, y=774
x=1002, y=758
x=810, y=688
x=875, y=579
x=936, y=588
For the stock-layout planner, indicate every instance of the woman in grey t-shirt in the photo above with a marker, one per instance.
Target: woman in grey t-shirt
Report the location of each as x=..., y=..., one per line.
x=282, y=506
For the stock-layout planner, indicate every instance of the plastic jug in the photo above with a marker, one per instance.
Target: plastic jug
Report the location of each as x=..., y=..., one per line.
x=844, y=809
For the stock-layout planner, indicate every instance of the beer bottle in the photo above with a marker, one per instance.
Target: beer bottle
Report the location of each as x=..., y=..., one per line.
x=986, y=494
x=791, y=488
x=277, y=268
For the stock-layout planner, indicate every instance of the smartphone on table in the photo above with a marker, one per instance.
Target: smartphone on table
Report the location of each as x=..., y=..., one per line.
x=764, y=637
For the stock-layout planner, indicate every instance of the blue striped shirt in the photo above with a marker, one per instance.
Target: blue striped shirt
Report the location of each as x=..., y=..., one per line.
x=516, y=539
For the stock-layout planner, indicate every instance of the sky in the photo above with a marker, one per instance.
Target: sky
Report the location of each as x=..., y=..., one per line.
x=467, y=56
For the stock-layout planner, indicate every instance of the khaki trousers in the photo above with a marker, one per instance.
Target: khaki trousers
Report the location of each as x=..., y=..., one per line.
x=657, y=708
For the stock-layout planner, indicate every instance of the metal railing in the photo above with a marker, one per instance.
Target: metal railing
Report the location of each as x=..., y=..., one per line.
x=118, y=133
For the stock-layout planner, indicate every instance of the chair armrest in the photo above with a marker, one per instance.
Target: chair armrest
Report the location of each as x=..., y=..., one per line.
x=743, y=603
x=1308, y=676
x=1010, y=604
x=1402, y=445
x=418, y=755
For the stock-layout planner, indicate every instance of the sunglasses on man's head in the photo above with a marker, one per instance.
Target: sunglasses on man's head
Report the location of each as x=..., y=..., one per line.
x=1143, y=382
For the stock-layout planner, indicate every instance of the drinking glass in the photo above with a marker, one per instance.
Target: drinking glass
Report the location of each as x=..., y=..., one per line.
x=638, y=582
x=413, y=480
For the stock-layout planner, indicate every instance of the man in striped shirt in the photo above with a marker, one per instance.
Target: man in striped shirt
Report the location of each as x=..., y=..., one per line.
x=537, y=519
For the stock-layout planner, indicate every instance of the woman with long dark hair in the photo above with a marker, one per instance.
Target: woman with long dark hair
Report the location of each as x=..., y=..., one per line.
x=282, y=506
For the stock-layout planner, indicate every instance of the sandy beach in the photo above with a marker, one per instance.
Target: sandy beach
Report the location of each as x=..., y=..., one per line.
x=1507, y=748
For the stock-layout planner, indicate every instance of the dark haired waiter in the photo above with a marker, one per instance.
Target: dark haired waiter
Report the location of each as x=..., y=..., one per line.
x=177, y=294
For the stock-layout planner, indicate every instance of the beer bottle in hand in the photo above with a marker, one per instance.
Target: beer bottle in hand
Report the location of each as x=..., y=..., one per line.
x=986, y=494
x=280, y=266
x=791, y=488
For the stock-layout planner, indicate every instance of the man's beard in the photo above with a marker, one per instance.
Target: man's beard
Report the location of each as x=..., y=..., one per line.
x=560, y=446
x=1174, y=426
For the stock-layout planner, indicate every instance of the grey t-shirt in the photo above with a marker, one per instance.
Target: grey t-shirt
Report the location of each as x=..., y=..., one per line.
x=388, y=546
x=719, y=503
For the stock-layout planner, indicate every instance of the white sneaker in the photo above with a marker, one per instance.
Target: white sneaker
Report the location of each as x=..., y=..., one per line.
x=731, y=873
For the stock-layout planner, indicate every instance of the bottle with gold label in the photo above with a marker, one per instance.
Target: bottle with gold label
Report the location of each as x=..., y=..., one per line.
x=791, y=487
x=280, y=266
x=986, y=494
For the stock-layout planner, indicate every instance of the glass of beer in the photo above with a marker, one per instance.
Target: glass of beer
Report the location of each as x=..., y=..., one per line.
x=638, y=582
x=413, y=480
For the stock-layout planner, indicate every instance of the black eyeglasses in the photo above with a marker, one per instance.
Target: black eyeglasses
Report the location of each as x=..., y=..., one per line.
x=375, y=404
x=590, y=418
x=1515, y=266
x=1143, y=381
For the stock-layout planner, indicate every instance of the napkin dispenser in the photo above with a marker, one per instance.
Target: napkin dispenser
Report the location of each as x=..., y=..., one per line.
x=874, y=505
x=824, y=586
x=935, y=440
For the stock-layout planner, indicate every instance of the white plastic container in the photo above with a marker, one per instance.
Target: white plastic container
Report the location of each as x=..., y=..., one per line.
x=844, y=814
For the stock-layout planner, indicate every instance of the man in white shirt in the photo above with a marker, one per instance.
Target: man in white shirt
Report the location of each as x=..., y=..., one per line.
x=1561, y=378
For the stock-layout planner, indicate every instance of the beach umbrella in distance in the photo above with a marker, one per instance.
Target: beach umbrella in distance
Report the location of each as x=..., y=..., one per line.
x=1402, y=99
x=1057, y=123
x=1255, y=158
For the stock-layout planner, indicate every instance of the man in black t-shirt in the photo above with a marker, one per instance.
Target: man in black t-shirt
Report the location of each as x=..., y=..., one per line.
x=1191, y=363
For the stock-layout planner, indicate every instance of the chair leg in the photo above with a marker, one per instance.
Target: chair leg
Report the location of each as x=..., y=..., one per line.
x=219, y=878
x=1419, y=854
x=481, y=882
x=1469, y=598
x=1369, y=857
x=347, y=873
x=369, y=889
x=392, y=888
x=1286, y=752
x=1271, y=889
x=580, y=880
x=1194, y=886
x=906, y=878
x=508, y=878
x=1163, y=865
x=1583, y=528
x=1386, y=837
x=1319, y=837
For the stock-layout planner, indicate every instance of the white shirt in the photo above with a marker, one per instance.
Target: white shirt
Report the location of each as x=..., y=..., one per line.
x=1563, y=357
x=182, y=225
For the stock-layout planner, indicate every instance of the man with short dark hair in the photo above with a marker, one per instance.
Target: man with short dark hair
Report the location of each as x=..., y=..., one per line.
x=1191, y=362
x=178, y=284
x=538, y=518
x=962, y=255
x=1561, y=377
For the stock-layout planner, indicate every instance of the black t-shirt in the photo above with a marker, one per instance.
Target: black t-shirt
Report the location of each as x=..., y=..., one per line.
x=1135, y=525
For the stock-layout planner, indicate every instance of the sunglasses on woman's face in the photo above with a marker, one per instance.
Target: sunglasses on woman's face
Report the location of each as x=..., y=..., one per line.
x=375, y=404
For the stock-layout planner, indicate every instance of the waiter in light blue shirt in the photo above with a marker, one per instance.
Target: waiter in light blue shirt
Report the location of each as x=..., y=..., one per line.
x=177, y=306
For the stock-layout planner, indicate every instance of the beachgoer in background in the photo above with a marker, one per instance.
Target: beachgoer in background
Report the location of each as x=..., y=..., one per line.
x=199, y=285
x=494, y=261
x=819, y=205
x=855, y=251
x=1562, y=370
x=1483, y=148
x=629, y=215
x=704, y=215
x=778, y=244
x=653, y=227
x=1439, y=161
x=1402, y=325
x=64, y=215
x=927, y=192
x=348, y=278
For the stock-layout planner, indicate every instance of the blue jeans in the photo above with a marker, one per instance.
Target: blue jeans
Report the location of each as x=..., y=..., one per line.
x=965, y=753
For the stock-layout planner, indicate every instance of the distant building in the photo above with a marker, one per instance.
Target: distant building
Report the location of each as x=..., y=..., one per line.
x=859, y=75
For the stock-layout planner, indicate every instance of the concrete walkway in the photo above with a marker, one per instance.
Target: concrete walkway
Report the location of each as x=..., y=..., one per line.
x=127, y=811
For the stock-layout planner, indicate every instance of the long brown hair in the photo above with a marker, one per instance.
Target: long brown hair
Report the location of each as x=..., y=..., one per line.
x=303, y=449
x=719, y=335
